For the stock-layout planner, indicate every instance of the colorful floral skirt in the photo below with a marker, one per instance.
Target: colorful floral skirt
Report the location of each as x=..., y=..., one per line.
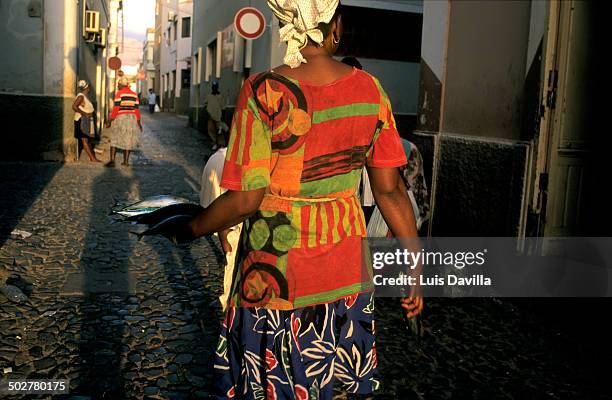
x=297, y=354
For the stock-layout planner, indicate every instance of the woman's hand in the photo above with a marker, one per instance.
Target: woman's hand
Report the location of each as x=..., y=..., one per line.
x=108, y=124
x=413, y=304
x=140, y=126
x=225, y=244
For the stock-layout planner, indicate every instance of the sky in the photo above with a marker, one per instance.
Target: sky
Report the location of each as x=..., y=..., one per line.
x=138, y=16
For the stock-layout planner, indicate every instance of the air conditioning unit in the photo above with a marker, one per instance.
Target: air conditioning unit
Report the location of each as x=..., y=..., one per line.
x=92, y=21
x=171, y=16
x=100, y=38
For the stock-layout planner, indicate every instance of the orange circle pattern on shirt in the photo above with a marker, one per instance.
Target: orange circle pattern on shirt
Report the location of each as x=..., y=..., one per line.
x=299, y=122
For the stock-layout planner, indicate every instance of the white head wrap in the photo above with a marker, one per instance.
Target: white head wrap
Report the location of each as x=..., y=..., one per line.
x=301, y=18
x=83, y=84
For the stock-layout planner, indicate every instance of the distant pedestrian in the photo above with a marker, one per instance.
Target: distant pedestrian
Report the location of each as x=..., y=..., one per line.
x=152, y=101
x=215, y=103
x=125, y=133
x=210, y=190
x=83, y=114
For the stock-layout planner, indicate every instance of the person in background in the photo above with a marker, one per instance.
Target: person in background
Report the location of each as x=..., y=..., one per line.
x=83, y=109
x=210, y=190
x=152, y=100
x=124, y=123
x=301, y=316
x=352, y=61
x=215, y=104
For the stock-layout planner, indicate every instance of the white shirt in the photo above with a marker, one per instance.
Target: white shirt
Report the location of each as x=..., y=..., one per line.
x=211, y=178
x=152, y=98
x=85, y=106
x=215, y=103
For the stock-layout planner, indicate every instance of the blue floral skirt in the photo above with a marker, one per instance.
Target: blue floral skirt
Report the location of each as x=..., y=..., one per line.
x=297, y=354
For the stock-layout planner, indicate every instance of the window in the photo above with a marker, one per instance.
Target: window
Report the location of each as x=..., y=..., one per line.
x=175, y=25
x=186, y=27
x=197, y=67
x=173, y=80
x=168, y=36
x=375, y=43
x=211, y=55
x=185, y=78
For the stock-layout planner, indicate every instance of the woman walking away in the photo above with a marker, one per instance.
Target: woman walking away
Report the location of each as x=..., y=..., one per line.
x=83, y=109
x=125, y=121
x=300, y=318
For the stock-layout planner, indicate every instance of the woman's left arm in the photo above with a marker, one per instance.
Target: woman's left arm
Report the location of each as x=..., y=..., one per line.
x=395, y=206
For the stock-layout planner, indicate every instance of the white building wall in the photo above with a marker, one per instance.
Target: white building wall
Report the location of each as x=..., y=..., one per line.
x=183, y=45
x=174, y=54
x=60, y=56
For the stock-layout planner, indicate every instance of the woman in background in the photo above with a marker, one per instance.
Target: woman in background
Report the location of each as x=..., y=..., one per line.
x=83, y=109
x=124, y=123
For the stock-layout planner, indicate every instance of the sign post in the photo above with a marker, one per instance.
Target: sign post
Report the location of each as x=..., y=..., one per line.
x=114, y=63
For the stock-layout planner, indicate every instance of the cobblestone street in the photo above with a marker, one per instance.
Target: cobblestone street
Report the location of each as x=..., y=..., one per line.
x=122, y=318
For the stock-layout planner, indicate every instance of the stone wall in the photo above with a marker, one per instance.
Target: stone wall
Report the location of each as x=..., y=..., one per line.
x=37, y=127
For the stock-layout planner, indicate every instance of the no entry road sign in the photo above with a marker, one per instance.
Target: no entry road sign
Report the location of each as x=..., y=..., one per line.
x=250, y=23
x=114, y=63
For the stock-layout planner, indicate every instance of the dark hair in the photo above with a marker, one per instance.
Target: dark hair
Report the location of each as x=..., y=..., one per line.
x=353, y=62
x=325, y=28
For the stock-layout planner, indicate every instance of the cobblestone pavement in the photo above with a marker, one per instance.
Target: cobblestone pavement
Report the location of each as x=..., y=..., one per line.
x=122, y=318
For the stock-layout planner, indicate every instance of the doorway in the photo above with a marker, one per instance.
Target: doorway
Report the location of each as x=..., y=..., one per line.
x=564, y=171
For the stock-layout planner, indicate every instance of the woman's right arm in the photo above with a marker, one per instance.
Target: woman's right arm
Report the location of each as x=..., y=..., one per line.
x=77, y=103
x=114, y=112
x=229, y=209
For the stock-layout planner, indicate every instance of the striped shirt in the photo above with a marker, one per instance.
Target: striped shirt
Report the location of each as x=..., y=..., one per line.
x=307, y=145
x=126, y=102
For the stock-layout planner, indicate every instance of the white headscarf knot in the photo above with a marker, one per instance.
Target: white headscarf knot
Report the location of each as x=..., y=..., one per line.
x=301, y=19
